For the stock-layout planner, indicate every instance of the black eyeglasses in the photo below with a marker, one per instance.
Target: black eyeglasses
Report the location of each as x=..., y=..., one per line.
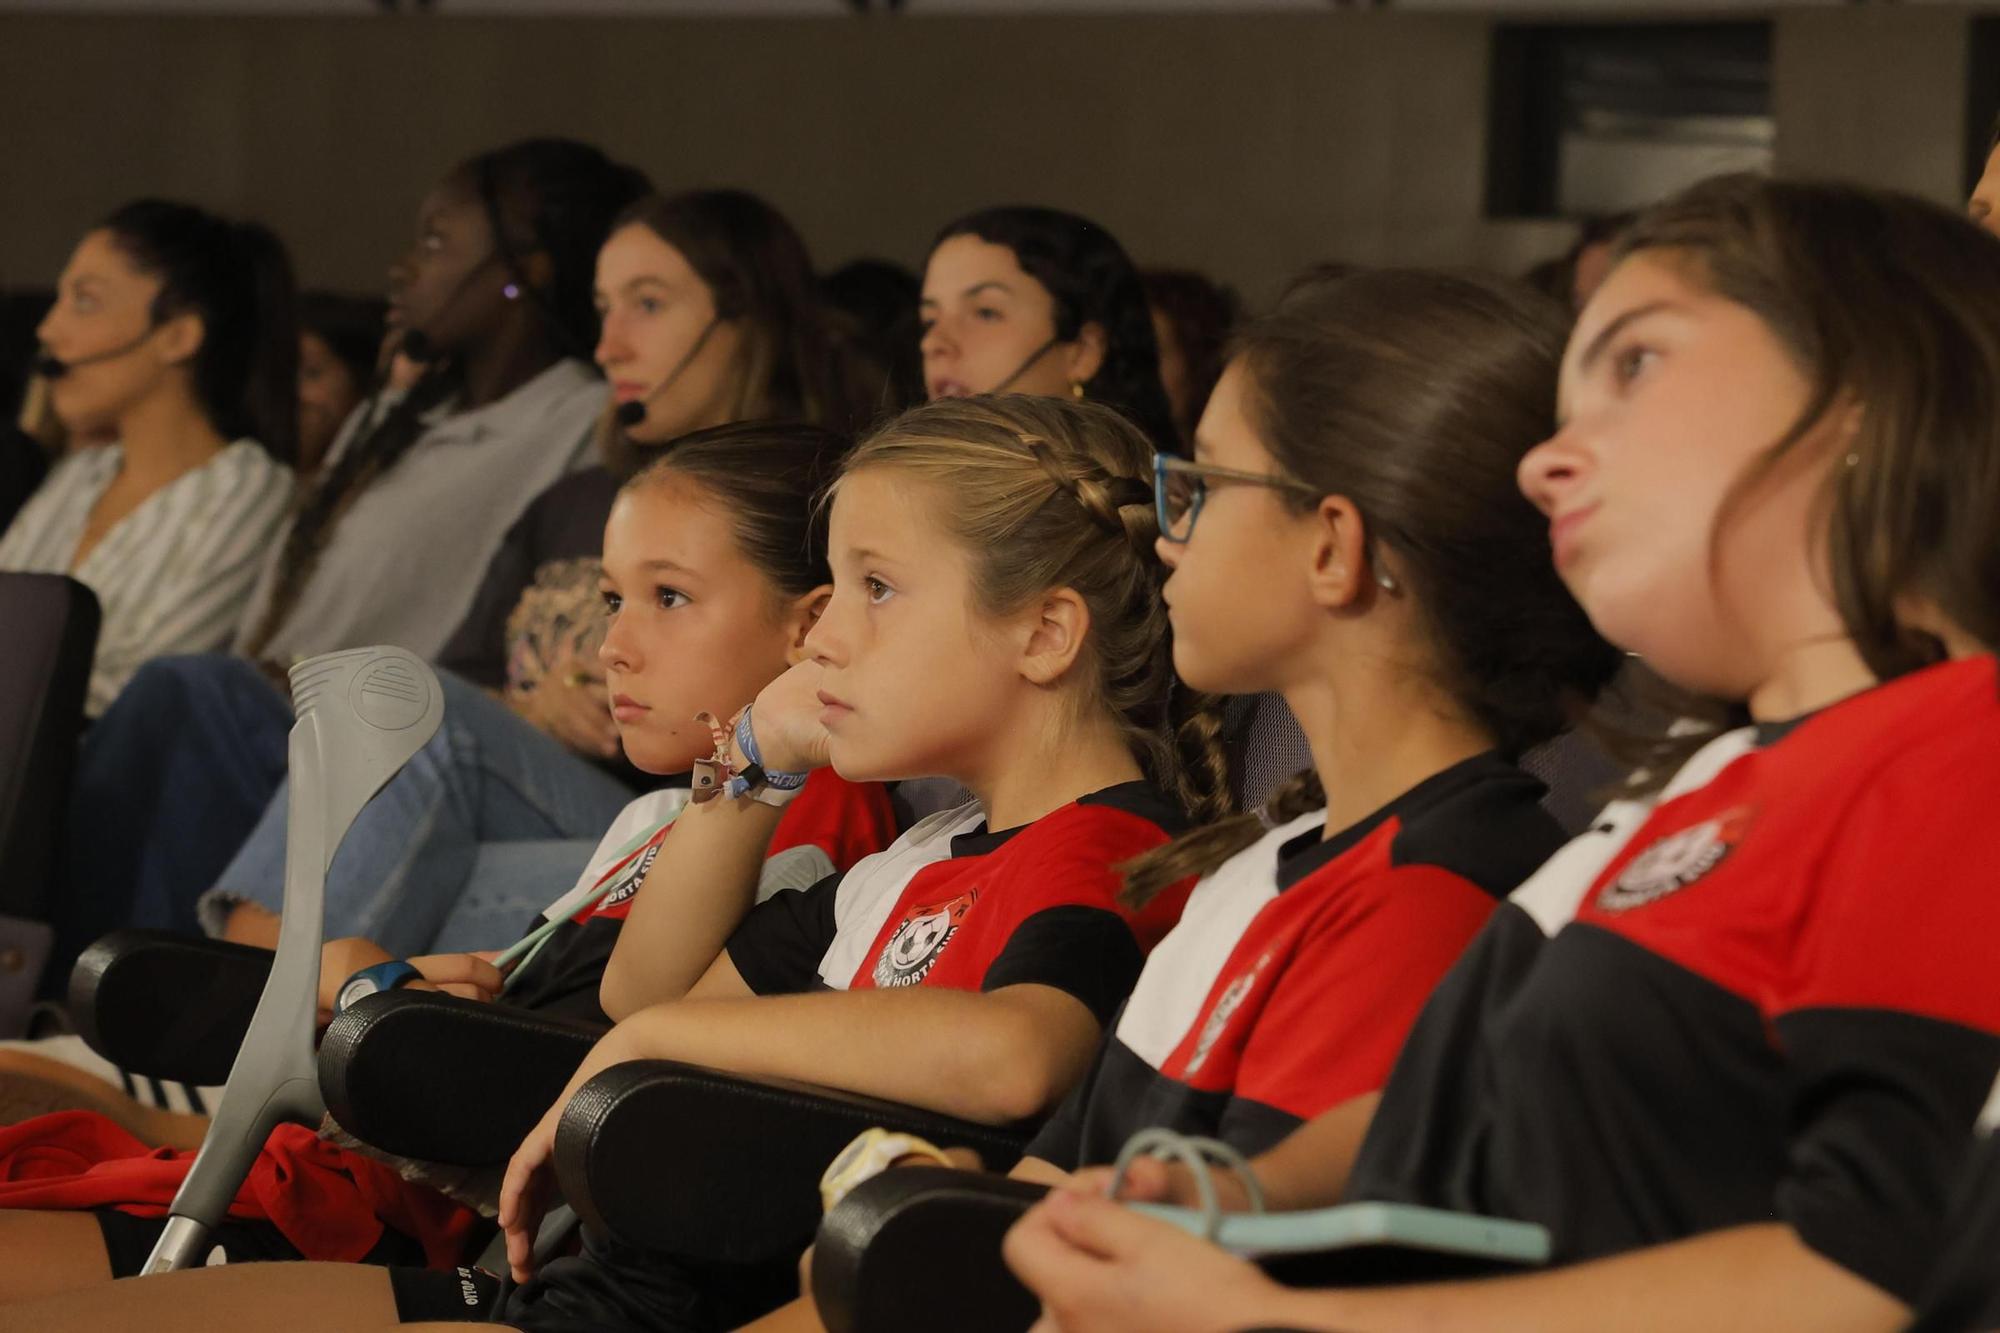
x=1180, y=486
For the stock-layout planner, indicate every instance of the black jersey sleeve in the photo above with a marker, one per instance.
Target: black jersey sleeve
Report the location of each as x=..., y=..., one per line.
x=777, y=948
x=1884, y=1103
x=1087, y=952
x=1059, y=1141
x=1963, y=1290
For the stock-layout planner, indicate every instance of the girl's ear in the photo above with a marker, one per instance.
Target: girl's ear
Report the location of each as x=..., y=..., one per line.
x=181, y=336
x=1086, y=354
x=803, y=613
x=1339, y=553
x=1056, y=631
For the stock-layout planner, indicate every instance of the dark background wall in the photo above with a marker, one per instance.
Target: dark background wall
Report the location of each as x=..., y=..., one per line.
x=1244, y=144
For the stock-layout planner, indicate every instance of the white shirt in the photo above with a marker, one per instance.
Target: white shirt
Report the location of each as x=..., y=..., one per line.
x=403, y=562
x=173, y=575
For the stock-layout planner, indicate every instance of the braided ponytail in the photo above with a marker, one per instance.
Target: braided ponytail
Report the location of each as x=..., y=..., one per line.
x=1048, y=493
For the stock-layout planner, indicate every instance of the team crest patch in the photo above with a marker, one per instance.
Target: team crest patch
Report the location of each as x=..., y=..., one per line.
x=630, y=878
x=1675, y=861
x=919, y=941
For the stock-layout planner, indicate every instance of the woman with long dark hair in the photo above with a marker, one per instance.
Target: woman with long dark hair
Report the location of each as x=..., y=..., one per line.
x=1019, y=299
x=708, y=317
x=171, y=330
x=390, y=542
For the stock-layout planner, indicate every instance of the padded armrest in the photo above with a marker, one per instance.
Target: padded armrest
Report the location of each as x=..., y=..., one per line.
x=433, y=1076
x=917, y=1240
x=165, y=1005
x=920, y=1239
x=720, y=1168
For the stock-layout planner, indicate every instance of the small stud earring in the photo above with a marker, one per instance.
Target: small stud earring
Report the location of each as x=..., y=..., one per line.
x=1853, y=460
x=1076, y=389
x=1386, y=581
x=511, y=292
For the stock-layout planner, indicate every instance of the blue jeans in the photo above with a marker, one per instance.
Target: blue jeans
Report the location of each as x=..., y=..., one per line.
x=511, y=883
x=169, y=782
x=416, y=858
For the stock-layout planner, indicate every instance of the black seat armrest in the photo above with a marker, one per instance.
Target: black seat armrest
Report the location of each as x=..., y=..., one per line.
x=432, y=1076
x=167, y=1006
x=721, y=1168
x=917, y=1240
x=921, y=1239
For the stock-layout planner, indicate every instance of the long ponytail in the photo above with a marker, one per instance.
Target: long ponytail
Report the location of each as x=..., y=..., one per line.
x=237, y=279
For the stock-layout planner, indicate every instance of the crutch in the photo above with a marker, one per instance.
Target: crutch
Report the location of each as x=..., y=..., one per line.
x=362, y=714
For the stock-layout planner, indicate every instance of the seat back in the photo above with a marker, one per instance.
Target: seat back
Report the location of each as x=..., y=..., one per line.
x=1266, y=747
x=50, y=621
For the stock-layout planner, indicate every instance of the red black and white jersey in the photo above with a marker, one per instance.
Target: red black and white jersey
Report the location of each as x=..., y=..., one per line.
x=1299, y=965
x=951, y=904
x=832, y=824
x=1769, y=994
x=1964, y=1287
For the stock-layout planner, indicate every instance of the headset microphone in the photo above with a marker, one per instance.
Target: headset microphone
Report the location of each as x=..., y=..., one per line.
x=1025, y=366
x=631, y=413
x=416, y=344
x=51, y=367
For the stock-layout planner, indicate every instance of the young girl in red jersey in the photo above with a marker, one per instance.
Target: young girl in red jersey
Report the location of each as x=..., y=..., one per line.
x=995, y=619
x=1730, y=1046
x=1355, y=467
x=714, y=573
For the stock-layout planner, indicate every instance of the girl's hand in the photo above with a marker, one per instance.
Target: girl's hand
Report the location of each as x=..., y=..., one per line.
x=340, y=959
x=1150, y=1180
x=1101, y=1268
x=470, y=976
x=529, y=1184
x=785, y=720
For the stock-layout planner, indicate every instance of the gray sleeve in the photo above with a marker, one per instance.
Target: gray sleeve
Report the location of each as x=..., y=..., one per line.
x=798, y=867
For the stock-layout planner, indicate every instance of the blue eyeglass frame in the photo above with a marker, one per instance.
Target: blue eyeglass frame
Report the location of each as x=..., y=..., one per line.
x=1165, y=465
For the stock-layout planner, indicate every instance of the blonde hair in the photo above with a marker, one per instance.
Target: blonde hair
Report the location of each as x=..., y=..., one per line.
x=1054, y=493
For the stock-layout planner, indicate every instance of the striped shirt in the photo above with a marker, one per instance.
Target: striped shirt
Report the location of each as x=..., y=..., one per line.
x=173, y=575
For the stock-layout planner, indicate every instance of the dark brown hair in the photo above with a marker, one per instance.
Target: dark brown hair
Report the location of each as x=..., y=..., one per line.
x=760, y=277
x=1092, y=281
x=1892, y=305
x=1415, y=395
x=237, y=278
x=1200, y=314
x=771, y=476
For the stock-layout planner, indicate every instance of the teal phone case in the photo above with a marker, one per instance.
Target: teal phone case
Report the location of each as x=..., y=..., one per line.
x=1350, y=1225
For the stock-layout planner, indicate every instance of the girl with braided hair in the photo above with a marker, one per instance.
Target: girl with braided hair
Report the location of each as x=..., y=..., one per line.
x=386, y=546
x=994, y=618
x=1355, y=468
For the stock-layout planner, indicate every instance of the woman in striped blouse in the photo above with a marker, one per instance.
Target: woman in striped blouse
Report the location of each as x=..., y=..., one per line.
x=175, y=330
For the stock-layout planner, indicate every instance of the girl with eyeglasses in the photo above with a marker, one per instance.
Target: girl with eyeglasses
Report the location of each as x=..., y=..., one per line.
x=1730, y=1046
x=1348, y=535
